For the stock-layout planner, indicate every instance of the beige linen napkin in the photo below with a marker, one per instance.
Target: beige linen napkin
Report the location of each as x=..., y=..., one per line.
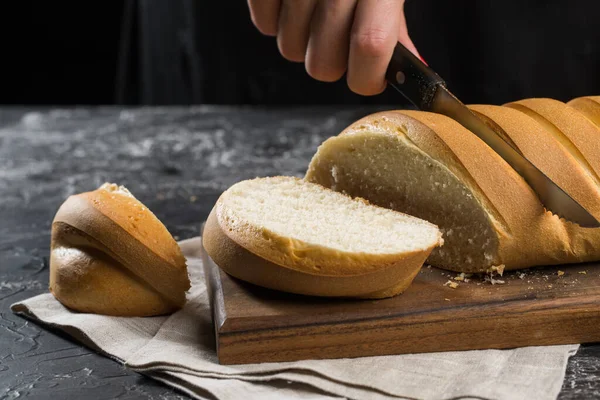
x=179, y=351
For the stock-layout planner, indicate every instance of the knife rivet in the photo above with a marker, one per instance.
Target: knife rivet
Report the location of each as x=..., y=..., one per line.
x=400, y=77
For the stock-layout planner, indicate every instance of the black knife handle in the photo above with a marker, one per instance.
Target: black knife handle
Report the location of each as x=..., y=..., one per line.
x=411, y=77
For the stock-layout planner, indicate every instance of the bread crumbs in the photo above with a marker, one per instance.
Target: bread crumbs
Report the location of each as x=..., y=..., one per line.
x=462, y=277
x=494, y=281
x=453, y=285
x=582, y=272
x=498, y=269
x=494, y=270
x=560, y=273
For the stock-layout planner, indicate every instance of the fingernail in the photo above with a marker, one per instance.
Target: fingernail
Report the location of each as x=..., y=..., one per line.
x=422, y=59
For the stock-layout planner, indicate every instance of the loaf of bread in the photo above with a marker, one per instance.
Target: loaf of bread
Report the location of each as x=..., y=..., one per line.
x=287, y=234
x=111, y=255
x=429, y=166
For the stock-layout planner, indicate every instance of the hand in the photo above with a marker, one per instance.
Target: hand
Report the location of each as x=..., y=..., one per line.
x=336, y=36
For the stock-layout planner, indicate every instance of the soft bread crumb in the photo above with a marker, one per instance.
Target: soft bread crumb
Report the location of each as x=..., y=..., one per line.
x=499, y=269
x=494, y=270
x=493, y=281
x=463, y=277
x=310, y=215
x=560, y=273
x=582, y=272
x=451, y=284
x=391, y=171
x=117, y=189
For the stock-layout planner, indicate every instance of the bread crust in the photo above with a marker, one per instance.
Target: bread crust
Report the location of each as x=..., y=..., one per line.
x=123, y=272
x=588, y=106
x=236, y=260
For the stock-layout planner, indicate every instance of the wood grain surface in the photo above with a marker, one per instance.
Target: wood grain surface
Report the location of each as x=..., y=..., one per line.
x=541, y=306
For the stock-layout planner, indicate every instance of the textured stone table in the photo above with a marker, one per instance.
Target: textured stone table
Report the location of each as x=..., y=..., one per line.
x=175, y=160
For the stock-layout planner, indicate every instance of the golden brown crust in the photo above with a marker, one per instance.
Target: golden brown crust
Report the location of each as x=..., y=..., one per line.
x=94, y=242
x=243, y=264
x=580, y=132
x=139, y=222
x=588, y=106
x=307, y=257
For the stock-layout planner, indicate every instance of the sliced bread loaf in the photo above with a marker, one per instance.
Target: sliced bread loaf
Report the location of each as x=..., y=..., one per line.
x=429, y=166
x=288, y=234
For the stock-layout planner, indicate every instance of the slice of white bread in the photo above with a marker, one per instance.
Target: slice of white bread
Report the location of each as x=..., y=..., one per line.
x=429, y=166
x=111, y=255
x=288, y=234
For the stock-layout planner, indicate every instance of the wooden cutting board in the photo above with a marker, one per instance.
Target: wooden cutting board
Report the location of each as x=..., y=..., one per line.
x=541, y=306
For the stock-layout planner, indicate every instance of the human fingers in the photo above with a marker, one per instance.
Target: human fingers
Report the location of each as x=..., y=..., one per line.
x=328, y=45
x=265, y=15
x=372, y=40
x=294, y=28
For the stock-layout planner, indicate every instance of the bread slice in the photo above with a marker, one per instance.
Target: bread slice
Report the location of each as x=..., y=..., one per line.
x=111, y=255
x=429, y=166
x=288, y=234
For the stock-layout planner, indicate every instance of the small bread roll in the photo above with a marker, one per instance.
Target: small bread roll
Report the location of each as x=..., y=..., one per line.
x=111, y=255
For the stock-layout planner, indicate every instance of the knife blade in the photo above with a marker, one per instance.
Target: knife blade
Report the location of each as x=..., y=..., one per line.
x=428, y=92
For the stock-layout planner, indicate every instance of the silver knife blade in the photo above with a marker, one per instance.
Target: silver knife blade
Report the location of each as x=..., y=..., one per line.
x=551, y=195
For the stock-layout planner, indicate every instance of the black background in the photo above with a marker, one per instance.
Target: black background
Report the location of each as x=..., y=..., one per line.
x=193, y=52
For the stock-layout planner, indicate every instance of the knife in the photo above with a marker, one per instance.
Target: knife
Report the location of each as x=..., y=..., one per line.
x=427, y=91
